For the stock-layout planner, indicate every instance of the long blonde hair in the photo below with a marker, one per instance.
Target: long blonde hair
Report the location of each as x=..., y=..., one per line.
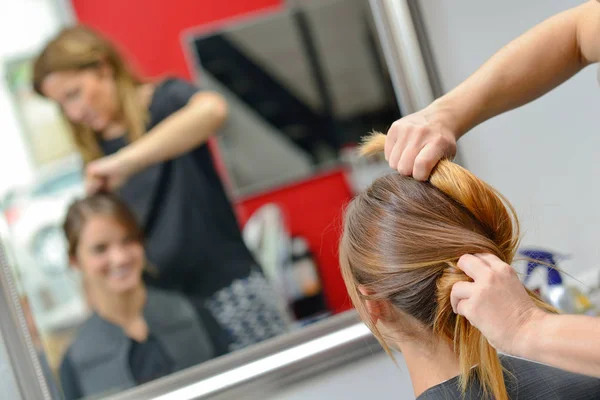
x=76, y=48
x=401, y=241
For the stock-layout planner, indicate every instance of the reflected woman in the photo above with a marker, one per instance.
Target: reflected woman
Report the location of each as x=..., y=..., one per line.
x=135, y=334
x=149, y=141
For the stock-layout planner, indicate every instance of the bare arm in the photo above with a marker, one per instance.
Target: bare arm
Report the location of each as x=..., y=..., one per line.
x=569, y=342
x=181, y=132
x=522, y=71
x=527, y=68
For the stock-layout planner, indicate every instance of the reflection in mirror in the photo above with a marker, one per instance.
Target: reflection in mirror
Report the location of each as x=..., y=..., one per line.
x=121, y=289
x=303, y=85
x=137, y=333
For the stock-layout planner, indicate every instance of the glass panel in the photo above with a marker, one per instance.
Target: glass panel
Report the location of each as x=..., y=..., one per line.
x=303, y=87
x=300, y=94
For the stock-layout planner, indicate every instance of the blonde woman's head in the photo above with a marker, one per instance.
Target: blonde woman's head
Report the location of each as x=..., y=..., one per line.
x=401, y=241
x=86, y=76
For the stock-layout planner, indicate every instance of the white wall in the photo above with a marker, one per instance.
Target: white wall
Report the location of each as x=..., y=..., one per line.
x=544, y=156
x=24, y=26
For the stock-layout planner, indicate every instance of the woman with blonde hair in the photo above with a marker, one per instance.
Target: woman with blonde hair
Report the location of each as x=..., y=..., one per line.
x=532, y=65
x=399, y=250
x=148, y=141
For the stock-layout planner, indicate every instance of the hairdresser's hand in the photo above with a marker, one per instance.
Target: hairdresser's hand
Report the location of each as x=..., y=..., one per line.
x=496, y=302
x=418, y=141
x=108, y=173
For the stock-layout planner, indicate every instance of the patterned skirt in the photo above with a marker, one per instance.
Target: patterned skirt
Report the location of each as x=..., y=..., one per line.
x=250, y=310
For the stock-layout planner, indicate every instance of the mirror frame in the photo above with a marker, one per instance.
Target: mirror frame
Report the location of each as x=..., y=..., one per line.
x=16, y=340
x=273, y=364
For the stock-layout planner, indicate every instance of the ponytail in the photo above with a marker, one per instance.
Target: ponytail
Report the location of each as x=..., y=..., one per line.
x=403, y=230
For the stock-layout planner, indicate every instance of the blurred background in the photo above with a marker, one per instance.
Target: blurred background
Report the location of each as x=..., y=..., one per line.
x=304, y=81
x=302, y=89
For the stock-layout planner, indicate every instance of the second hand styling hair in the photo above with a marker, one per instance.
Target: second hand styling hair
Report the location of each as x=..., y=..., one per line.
x=401, y=241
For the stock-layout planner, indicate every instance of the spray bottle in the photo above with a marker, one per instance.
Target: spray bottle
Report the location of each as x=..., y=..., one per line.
x=567, y=299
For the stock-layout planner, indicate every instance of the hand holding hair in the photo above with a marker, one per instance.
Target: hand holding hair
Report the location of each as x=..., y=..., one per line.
x=108, y=173
x=564, y=44
x=495, y=302
x=414, y=144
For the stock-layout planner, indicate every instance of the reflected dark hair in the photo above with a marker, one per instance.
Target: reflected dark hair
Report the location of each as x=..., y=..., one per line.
x=106, y=204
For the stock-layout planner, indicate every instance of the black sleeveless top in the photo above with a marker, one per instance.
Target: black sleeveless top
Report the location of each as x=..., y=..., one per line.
x=527, y=380
x=192, y=235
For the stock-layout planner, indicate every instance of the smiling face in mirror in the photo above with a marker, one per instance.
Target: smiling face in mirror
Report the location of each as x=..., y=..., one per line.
x=136, y=333
x=104, y=243
x=109, y=255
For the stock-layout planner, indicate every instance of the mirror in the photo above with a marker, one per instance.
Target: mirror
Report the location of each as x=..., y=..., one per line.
x=301, y=87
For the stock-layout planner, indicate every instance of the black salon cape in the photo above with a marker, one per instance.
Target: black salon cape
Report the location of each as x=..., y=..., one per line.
x=147, y=360
x=527, y=381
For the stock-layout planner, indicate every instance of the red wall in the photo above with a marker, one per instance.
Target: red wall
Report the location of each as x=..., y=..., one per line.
x=149, y=31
